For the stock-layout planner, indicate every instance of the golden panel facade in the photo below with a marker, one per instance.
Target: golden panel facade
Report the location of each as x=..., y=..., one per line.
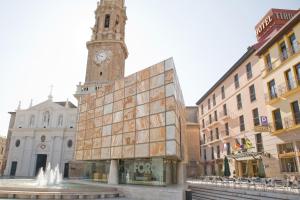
x=134, y=117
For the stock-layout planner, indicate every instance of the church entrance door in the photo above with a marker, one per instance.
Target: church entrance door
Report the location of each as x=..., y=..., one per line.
x=41, y=161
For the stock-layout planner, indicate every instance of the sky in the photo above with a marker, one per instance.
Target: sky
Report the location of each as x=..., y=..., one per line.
x=43, y=43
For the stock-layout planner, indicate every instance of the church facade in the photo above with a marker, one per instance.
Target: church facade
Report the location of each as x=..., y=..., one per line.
x=130, y=130
x=44, y=133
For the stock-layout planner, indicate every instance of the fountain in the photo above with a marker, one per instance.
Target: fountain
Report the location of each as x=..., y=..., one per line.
x=49, y=185
x=50, y=177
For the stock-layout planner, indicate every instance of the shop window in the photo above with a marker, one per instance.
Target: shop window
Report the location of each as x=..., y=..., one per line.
x=288, y=164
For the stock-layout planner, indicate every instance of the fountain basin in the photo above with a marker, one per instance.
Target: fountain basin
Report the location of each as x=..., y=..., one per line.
x=27, y=189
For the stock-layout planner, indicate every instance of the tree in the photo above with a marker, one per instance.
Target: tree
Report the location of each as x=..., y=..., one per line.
x=226, y=167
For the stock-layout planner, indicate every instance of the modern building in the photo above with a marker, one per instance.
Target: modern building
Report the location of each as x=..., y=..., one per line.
x=233, y=114
x=193, y=140
x=41, y=134
x=130, y=130
x=2, y=154
x=280, y=58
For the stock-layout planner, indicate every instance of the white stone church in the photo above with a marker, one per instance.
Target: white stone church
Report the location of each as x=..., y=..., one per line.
x=44, y=133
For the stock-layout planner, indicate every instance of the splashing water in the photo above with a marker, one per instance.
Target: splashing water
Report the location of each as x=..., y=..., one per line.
x=49, y=177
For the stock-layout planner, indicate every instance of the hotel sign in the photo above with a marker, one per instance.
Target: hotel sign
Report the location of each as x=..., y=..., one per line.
x=264, y=25
x=273, y=20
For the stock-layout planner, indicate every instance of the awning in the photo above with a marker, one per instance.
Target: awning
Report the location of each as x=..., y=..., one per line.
x=246, y=156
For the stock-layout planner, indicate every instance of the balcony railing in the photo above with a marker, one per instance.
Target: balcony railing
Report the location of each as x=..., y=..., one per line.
x=225, y=115
x=290, y=52
x=286, y=124
x=281, y=90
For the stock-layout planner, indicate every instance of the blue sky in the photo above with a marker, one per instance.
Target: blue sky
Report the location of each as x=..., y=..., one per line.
x=43, y=43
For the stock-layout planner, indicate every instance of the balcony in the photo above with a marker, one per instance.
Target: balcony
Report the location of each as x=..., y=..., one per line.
x=282, y=91
x=210, y=124
x=283, y=58
x=225, y=116
x=288, y=124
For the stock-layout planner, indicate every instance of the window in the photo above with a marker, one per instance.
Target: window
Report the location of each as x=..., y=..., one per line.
x=242, y=123
x=203, y=137
x=31, y=121
x=236, y=81
x=202, y=110
x=228, y=148
x=268, y=62
x=259, y=143
x=272, y=89
x=208, y=104
x=249, y=71
x=203, y=124
x=43, y=138
x=204, y=154
x=210, y=120
x=216, y=115
x=289, y=79
x=214, y=99
x=211, y=136
x=218, y=151
x=296, y=112
x=255, y=117
x=252, y=93
x=224, y=110
x=70, y=143
x=217, y=133
x=285, y=148
x=293, y=43
x=283, y=51
x=212, y=153
x=223, y=92
x=107, y=20
x=239, y=101
x=227, y=129
x=277, y=119
x=46, y=119
x=60, y=121
x=297, y=72
x=288, y=164
x=17, y=143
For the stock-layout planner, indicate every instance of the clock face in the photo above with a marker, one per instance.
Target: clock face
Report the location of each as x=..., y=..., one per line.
x=102, y=56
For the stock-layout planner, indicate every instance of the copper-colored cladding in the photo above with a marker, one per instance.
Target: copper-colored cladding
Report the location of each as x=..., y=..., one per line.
x=272, y=21
x=137, y=116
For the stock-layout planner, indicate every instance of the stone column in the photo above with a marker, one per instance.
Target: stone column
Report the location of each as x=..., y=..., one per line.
x=113, y=177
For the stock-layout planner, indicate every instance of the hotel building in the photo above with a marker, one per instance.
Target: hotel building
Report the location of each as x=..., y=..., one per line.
x=233, y=115
x=130, y=130
x=280, y=58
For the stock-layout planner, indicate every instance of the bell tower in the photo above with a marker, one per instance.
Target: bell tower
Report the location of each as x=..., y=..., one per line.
x=107, y=50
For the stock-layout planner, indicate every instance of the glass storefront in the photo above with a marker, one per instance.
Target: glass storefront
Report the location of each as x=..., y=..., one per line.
x=153, y=171
x=95, y=171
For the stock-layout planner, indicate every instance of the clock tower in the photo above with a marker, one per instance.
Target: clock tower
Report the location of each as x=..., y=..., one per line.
x=107, y=50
